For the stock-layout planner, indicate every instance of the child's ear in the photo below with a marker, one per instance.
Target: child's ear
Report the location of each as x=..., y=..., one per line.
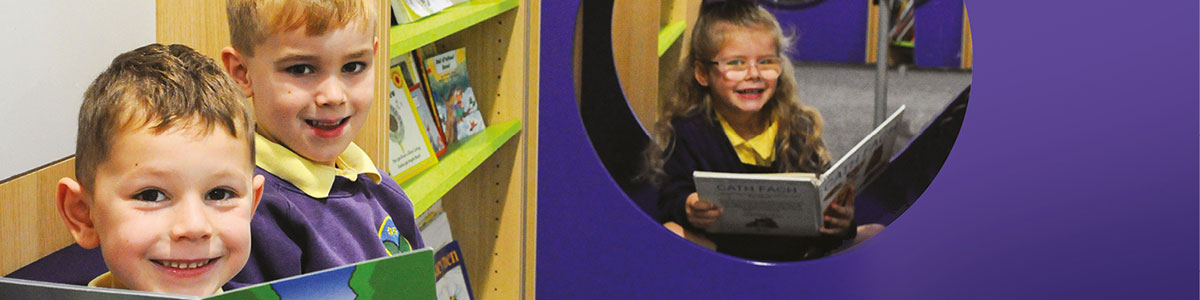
x=258, y=189
x=76, y=213
x=235, y=65
x=700, y=73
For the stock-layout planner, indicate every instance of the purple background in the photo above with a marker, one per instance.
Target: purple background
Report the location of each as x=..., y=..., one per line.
x=1075, y=175
x=938, y=34
x=833, y=30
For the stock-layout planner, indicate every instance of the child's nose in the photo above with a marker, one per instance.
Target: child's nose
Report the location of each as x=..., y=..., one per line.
x=331, y=92
x=190, y=221
x=752, y=72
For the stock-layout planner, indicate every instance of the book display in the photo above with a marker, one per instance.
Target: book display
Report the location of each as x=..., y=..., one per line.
x=485, y=207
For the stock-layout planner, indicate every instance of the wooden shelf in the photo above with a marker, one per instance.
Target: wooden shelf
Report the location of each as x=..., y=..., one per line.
x=429, y=186
x=668, y=35
x=410, y=36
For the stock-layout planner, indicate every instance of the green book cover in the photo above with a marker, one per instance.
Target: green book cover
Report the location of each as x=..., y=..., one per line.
x=404, y=276
x=408, y=275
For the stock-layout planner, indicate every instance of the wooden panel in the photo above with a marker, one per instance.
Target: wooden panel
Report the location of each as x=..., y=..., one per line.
x=872, y=29
x=530, y=142
x=636, y=55
x=966, y=41
x=487, y=209
x=201, y=25
x=670, y=63
x=373, y=137
x=29, y=220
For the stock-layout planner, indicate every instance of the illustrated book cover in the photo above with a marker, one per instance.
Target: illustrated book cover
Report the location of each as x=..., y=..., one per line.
x=407, y=275
x=409, y=148
x=454, y=99
x=792, y=204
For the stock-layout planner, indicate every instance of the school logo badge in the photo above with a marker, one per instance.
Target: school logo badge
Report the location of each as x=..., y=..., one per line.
x=391, y=239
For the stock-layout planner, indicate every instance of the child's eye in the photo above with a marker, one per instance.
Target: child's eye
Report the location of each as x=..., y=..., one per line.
x=770, y=61
x=300, y=69
x=150, y=195
x=219, y=194
x=736, y=62
x=354, y=67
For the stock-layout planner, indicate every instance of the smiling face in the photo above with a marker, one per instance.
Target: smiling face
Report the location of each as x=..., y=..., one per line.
x=744, y=93
x=312, y=93
x=172, y=210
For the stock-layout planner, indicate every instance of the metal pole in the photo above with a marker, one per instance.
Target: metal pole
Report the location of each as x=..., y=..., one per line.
x=881, y=54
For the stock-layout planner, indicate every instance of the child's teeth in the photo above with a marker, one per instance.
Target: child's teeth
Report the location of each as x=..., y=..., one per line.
x=179, y=265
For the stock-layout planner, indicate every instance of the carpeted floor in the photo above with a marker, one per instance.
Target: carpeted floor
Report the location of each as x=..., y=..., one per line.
x=845, y=96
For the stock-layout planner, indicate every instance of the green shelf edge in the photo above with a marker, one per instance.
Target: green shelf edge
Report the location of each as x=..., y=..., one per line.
x=905, y=44
x=410, y=36
x=668, y=35
x=429, y=186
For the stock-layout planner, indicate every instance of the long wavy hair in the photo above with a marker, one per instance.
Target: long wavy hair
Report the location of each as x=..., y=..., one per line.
x=799, y=146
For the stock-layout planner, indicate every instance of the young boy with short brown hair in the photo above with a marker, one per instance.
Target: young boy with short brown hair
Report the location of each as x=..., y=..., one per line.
x=164, y=161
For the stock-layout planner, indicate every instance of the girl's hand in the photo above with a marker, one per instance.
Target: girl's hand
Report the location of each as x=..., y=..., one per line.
x=840, y=214
x=701, y=213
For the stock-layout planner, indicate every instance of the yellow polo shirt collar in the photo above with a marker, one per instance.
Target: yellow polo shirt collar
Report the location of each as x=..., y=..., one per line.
x=758, y=150
x=314, y=179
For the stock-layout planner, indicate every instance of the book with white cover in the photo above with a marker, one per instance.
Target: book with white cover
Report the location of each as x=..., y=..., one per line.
x=792, y=204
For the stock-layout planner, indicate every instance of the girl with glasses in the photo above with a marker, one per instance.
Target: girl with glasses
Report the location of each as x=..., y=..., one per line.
x=736, y=109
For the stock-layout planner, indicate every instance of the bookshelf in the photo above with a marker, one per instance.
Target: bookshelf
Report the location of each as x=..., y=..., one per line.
x=408, y=37
x=427, y=187
x=486, y=183
x=910, y=45
x=669, y=34
x=637, y=64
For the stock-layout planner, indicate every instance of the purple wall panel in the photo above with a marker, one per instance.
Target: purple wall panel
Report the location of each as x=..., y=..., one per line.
x=832, y=31
x=938, y=25
x=1075, y=176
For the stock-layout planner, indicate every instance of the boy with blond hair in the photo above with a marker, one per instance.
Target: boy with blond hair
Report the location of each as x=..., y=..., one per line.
x=309, y=68
x=164, y=161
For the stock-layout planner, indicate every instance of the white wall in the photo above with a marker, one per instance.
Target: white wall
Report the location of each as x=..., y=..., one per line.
x=50, y=52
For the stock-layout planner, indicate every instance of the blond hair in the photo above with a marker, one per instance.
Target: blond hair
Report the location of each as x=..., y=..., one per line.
x=799, y=146
x=252, y=21
x=157, y=87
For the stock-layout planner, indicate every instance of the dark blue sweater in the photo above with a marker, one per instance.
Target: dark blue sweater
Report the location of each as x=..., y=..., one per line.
x=700, y=144
x=293, y=233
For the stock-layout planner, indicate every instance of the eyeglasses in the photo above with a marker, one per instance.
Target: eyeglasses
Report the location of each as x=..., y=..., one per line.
x=736, y=69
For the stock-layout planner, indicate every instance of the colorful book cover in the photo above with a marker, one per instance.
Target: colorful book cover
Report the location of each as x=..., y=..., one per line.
x=453, y=98
x=409, y=148
x=416, y=88
x=404, y=276
x=451, y=274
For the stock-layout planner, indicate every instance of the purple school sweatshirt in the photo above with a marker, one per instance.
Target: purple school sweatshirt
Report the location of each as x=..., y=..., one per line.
x=293, y=233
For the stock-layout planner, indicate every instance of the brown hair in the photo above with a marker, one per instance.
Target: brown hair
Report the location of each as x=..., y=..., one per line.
x=159, y=87
x=252, y=21
x=799, y=146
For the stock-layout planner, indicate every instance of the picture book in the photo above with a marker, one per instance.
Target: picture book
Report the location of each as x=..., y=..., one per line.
x=407, y=11
x=414, y=78
x=451, y=273
x=409, y=148
x=792, y=204
x=404, y=276
x=435, y=227
x=453, y=98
